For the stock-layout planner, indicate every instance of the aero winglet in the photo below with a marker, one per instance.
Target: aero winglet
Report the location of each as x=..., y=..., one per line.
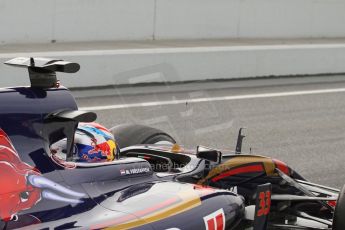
x=42, y=70
x=240, y=138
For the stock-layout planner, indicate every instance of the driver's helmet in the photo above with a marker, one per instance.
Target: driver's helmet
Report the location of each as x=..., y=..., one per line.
x=92, y=143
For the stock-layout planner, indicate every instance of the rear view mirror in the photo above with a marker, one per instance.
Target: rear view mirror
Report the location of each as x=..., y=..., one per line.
x=208, y=154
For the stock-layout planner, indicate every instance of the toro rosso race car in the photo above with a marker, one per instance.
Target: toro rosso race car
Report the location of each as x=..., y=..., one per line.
x=59, y=170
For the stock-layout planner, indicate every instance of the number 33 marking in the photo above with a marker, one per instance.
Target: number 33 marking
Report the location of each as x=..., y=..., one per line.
x=265, y=203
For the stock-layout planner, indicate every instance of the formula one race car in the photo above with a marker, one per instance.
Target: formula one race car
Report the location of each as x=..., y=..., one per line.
x=141, y=179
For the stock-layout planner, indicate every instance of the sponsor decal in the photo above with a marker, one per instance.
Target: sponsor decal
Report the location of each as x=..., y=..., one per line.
x=134, y=171
x=215, y=221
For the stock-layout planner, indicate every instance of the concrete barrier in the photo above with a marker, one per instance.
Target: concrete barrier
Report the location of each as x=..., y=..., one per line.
x=45, y=21
x=249, y=19
x=60, y=21
x=129, y=66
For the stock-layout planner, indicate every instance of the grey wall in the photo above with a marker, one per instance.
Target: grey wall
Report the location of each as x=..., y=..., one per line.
x=115, y=67
x=41, y=21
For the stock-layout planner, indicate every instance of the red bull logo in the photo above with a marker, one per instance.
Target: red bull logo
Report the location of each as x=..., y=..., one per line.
x=104, y=149
x=22, y=186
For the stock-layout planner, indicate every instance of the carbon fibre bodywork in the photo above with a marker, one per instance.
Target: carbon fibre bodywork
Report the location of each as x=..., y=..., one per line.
x=122, y=194
x=148, y=186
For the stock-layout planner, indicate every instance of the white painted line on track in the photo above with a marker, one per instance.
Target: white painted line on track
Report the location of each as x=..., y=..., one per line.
x=173, y=50
x=211, y=99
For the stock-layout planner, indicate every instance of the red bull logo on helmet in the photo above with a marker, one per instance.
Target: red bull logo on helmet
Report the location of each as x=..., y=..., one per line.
x=92, y=143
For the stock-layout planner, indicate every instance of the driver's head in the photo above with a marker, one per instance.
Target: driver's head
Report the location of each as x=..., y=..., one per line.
x=92, y=143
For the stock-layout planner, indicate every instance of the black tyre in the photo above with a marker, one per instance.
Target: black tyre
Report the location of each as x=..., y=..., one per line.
x=339, y=213
x=134, y=134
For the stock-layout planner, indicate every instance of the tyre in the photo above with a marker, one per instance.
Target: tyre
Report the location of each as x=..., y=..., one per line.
x=134, y=134
x=339, y=213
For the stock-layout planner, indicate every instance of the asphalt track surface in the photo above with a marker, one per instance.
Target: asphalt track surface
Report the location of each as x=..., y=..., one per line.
x=298, y=120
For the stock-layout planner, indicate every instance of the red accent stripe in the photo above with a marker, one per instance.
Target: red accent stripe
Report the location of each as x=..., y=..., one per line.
x=282, y=166
x=219, y=221
x=203, y=190
x=245, y=169
x=210, y=224
x=332, y=203
x=134, y=216
x=156, y=207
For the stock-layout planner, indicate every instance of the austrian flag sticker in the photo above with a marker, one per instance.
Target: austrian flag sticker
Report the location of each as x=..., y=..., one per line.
x=215, y=221
x=122, y=172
